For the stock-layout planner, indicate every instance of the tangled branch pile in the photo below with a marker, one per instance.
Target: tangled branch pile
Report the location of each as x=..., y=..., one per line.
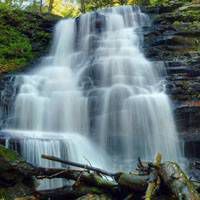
x=151, y=180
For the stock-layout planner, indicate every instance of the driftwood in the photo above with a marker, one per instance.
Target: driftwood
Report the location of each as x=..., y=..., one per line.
x=151, y=180
x=87, y=182
x=75, y=175
x=147, y=179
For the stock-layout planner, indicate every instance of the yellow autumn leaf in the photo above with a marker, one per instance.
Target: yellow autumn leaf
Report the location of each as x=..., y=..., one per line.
x=63, y=9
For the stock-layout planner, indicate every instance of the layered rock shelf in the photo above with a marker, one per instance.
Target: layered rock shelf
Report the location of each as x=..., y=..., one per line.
x=175, y=38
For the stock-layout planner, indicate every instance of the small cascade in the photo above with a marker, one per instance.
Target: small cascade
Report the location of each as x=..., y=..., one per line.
x=95, y=97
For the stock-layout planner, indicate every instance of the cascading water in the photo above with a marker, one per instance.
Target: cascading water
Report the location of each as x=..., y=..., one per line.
x=96, y=88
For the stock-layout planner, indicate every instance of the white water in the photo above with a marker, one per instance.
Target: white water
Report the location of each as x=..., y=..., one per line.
x=96, y=90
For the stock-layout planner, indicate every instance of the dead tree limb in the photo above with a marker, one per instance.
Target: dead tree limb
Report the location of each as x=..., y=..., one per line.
x=74, y=164
x=70, y=174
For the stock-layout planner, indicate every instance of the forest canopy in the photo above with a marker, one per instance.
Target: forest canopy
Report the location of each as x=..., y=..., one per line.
x=26, y=25
x=72, y=8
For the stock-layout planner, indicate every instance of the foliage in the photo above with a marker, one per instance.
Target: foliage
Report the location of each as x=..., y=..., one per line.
x=158, y=2
x=64, y=9
x=132, y=2
x=8, y=155
x=15, y=49
x=68, y=9
x=24, y=36
x=91, y=5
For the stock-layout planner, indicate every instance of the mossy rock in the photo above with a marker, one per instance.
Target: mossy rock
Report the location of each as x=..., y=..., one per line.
x=9, y=155
x=15, y=49
x=10, y=159
x=18, y=191
x=14, y=181
x=25, y=36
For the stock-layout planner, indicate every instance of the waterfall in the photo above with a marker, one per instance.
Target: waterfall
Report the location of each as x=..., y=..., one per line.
x=96, y=97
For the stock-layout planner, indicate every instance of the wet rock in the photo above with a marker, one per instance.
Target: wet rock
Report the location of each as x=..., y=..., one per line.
x=14, y=183
x=169, y=7
x=188, y=116
x=175, y=38
x=177, y=70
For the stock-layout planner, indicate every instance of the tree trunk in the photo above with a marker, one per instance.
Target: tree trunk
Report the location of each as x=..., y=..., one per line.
x=41, y=6
x=51, y=2
x=83, y=6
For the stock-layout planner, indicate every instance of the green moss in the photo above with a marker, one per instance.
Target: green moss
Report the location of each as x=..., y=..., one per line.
x=4, y=194
x=194, y=15
x=166, y=2
x=191, y=26
x=20, y=190
x=8, y=154
x=189, y=12
x=187, y=19
x=24, y=37
x=15, y=48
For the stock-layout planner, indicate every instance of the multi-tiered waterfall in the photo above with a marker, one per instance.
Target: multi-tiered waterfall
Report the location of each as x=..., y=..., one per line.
x=95, y=95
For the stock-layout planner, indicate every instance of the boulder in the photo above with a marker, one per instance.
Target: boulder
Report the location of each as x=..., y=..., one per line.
x=14, y=182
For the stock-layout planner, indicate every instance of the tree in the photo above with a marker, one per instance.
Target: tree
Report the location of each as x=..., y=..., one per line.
x=83, y=6
x=51, y=2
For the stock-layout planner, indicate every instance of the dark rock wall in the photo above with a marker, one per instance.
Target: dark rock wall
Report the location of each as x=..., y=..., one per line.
x=174, y=38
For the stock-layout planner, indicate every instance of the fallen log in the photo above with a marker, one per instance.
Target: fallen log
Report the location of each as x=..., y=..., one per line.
x=91, y=182
x=85, y=183
x=80, y=175
x=95, y=196
x=177, y=181
x=196, y=184
x=132, y=181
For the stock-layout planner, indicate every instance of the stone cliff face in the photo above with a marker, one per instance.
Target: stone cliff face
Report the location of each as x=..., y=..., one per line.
x=174, y=38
